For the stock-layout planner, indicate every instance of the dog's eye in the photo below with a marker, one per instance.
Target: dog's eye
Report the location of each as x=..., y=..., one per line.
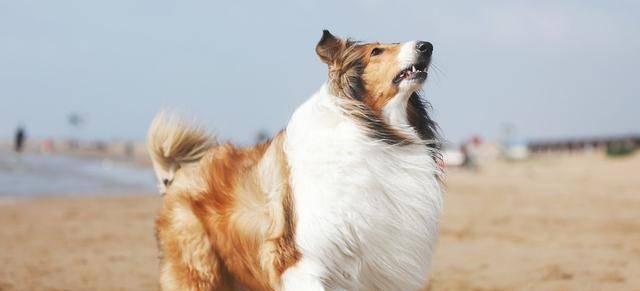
x=376, y=51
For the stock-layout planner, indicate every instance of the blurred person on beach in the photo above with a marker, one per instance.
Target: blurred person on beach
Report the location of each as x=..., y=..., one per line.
x=469, y=151
x=20, y=138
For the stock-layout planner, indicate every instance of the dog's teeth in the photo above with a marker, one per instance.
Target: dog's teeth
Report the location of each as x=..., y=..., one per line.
x=413, y=68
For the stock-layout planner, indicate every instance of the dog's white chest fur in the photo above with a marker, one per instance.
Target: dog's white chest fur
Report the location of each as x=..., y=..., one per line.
x=367, y=212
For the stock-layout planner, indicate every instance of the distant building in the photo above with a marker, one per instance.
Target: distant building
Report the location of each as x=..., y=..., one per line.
x=582, y=144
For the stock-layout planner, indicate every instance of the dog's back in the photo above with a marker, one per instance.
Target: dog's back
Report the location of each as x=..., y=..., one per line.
x=225, y=220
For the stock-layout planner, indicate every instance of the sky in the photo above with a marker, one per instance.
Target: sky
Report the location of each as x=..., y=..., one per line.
x=547, y=69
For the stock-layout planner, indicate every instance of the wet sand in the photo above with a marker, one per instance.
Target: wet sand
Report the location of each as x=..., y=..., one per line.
x=570, y=223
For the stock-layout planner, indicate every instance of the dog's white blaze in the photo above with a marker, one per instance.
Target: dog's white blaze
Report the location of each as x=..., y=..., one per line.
x=367, y=213
x=408, y=54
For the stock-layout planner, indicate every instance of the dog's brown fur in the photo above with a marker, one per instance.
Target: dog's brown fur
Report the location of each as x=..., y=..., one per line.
x=235, y=223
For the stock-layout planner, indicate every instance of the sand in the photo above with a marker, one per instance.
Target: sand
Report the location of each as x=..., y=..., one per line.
x=556, y=223
x=553, y=223
x=78, y=244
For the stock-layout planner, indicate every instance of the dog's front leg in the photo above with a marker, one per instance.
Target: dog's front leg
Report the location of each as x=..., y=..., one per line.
x=304, y=275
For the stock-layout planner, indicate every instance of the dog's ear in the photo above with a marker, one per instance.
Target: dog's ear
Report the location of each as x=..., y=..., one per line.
x=329, y=47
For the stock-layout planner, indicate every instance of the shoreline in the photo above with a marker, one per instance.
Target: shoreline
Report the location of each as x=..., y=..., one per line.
x=38, y=174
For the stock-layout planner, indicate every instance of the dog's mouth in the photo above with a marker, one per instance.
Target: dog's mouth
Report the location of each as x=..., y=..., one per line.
x=417, y=71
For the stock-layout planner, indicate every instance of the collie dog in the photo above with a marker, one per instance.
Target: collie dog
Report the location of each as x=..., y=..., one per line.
x=346, y=197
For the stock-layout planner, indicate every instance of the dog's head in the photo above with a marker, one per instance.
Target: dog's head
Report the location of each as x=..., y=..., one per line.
x=374, y=73
x=382, y=78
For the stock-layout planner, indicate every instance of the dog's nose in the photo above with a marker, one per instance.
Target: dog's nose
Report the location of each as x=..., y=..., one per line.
x=424, y=47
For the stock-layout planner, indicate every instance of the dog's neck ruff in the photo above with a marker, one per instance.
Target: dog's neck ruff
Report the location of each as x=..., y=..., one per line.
x=367, y=209
x=390, y=126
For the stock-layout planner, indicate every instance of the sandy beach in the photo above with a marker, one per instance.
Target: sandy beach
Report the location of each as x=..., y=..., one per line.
x=550, y=223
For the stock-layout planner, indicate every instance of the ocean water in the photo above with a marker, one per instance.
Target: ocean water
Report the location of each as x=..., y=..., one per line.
x=31, y=174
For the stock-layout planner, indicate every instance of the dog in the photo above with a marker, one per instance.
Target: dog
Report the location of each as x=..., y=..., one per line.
x=347, y=197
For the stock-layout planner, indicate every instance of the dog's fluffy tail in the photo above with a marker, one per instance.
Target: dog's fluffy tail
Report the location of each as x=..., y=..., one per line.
x=173, y=143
